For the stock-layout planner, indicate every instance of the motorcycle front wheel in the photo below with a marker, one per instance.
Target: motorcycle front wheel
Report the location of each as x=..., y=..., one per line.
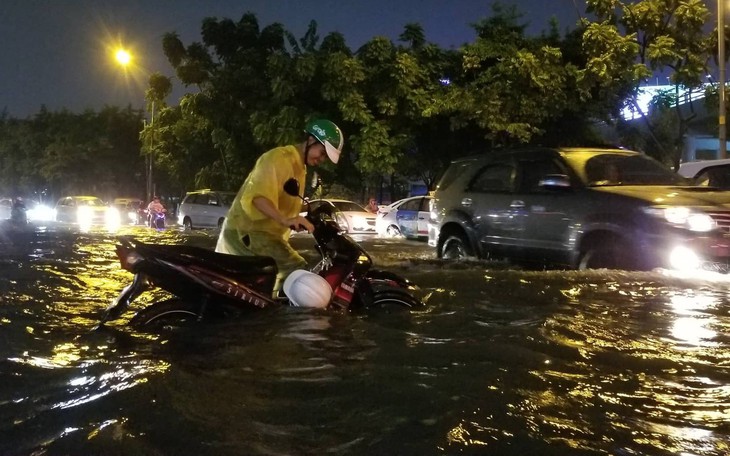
x=168, y=314
x=394, y=299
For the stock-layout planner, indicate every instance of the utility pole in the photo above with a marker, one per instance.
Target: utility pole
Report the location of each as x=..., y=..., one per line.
x=150, y=188
x=722, y=134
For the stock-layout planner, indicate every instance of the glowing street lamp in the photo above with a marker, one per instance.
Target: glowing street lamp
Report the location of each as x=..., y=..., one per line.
x=123, y=57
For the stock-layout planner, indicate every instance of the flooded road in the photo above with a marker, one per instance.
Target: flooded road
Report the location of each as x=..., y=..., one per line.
x=502, y=361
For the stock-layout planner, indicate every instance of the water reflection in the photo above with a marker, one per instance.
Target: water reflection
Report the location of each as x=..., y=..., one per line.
x=502, y=361
x=693, y=325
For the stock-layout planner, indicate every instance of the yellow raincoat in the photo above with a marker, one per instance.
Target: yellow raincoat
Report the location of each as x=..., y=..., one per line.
x=246, y=231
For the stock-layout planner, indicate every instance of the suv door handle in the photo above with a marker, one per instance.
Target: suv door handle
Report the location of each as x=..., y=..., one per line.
x=517, y=204
x=466, y=202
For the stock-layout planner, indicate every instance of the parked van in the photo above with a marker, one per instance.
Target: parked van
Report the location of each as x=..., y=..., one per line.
x=204, y=208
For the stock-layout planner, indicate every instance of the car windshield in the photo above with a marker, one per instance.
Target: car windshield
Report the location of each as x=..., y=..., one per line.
x=617, y=169
x=91, y=202
x=348, y=206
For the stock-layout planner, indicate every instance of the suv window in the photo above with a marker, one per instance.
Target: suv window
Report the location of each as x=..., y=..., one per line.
x=454, y=171
x=496, y=178
x=532, y=171
x=620, y=169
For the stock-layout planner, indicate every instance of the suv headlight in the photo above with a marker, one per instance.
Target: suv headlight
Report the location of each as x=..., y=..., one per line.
x=683, y=217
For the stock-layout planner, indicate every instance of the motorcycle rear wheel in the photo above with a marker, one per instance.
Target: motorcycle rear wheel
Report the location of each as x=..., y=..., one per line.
x=170, y=313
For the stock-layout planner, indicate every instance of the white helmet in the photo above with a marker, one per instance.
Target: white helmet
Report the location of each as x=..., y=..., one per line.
x=307, y=289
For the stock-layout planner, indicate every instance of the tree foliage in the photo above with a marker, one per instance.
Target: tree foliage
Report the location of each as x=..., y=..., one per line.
x=66, y=153
x=630, y=40
x=407, y=107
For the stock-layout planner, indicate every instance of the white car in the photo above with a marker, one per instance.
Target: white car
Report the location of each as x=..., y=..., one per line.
x=86, y=211
x=710, y=173
x=352, y=217
x=407, y=217
x=204, y=208
x=6, y=207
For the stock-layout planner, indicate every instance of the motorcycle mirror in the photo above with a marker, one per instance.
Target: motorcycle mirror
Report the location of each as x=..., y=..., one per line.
x=291, y=187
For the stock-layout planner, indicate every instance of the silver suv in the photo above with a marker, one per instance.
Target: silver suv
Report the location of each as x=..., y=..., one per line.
x=578, y=208
x=204, y=208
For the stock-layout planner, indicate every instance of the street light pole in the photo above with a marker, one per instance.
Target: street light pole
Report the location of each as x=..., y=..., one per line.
x=722, y=134
x=149, y=155
x=124, y=58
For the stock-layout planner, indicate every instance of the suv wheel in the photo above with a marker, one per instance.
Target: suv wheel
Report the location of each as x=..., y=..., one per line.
x=609, y=254
x=455, y=247
x=187, y=223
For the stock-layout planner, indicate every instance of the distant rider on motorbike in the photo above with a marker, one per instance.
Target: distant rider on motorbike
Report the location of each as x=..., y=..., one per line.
x=153, y=209
x=18, y=210
x=260, y=219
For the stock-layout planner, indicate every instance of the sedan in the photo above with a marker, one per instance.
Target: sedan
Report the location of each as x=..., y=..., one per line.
x=407, y=217
x=708, y=173
x=352, y=217
x=6, y=206
x=86, y=211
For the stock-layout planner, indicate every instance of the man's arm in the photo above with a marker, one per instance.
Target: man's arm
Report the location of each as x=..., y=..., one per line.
x=266, y=207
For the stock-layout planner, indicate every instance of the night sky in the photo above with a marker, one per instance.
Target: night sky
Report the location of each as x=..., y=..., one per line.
x=57, y=53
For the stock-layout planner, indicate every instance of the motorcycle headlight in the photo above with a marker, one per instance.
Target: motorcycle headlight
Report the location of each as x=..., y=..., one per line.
x=683, y=217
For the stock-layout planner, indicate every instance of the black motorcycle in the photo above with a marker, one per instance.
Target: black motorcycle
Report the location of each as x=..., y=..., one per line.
x=206, y=284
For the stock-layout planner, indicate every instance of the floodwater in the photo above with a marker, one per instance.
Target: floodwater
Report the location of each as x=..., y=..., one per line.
x=501, y=361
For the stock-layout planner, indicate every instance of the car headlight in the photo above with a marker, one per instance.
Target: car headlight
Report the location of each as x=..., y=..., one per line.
x=683, y=217
x=112, y=217
x=341, y=221
x=41, y=213
x=683, y=258
x=84, y=215
x=359, y=222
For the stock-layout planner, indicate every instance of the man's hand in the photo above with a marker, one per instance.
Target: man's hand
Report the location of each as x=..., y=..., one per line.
x=300, y=223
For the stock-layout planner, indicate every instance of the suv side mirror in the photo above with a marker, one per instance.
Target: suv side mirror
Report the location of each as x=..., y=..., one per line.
x=554, y=181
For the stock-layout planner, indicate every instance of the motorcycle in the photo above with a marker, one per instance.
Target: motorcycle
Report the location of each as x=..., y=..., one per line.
x=206, y=284
x=157, y=220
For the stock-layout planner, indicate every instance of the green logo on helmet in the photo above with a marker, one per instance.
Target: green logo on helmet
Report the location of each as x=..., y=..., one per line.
x=320, y=132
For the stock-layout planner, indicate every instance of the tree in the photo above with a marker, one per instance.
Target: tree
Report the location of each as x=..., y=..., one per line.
x=631, y=39
x=60, y=153
x=509, y=86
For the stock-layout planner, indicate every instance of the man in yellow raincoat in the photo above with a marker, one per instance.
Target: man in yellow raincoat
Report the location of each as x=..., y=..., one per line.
x=262, y=215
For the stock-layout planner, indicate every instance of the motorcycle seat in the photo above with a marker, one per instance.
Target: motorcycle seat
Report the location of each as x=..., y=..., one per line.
x=218, y=261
